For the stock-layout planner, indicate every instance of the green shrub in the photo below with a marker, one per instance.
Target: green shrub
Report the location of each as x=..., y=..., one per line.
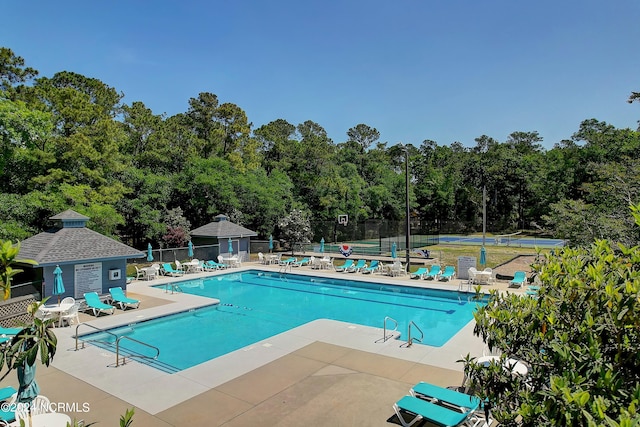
x=580, y=337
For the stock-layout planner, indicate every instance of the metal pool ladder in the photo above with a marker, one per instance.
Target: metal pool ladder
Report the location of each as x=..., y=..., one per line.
x=385, y=337
x=410, y=339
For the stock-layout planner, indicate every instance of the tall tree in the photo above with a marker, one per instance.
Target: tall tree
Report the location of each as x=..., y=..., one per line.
x=276, y=139
x=363, y=135
x=21, y=129
x=13, y=72
x=202, y=117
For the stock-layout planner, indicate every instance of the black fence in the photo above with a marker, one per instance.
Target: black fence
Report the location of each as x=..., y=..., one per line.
x=204, y=252
x=372, y=237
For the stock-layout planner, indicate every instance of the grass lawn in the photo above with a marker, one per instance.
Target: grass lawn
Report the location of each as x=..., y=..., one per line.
x=496, y=255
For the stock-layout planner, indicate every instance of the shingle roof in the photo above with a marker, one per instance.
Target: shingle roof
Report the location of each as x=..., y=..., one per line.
x=221, y=228
x=70, y=214
x=63, y=245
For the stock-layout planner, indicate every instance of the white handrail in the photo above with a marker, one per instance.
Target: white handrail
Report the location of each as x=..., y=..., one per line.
x=384, y=328
x=410, y=339
x=139, y=342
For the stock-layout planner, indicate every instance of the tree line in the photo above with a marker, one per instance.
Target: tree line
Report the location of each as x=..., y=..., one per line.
x=70, y=141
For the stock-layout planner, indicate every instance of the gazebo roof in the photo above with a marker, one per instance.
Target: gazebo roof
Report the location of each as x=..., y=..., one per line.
x=71, y=241
x=222, y=228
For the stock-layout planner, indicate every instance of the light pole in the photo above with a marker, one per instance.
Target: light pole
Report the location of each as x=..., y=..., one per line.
x=484, y=214
x=408, y=221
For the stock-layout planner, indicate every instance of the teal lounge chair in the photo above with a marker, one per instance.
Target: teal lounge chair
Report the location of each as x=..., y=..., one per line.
x=357, y=266
x=460, y=402
x=433, y=273
x=424, y=410
x=93, y=302
x=344, y=267
x=119, y=298
x=448, y=273
x=207, y=267
x=7, y=334
x=288, y=261
x=518, y=279
x=168, y=269
x=9, y=331
x=303, y=261
x=371, y=268
x=7, y=394
x=216, y=265
x=8, y=416
x=419, y=273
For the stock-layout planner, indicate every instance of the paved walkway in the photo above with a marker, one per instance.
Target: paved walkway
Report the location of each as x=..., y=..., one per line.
x=324, y=373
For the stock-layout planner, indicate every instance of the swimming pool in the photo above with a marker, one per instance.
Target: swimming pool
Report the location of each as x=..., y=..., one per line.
x=255, y=305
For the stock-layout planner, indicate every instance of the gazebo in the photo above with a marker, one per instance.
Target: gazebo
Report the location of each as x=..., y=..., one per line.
x=220, y=231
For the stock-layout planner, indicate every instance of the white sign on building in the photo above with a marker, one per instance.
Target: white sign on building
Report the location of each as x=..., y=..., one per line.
x=464, y=264
x=88, y=278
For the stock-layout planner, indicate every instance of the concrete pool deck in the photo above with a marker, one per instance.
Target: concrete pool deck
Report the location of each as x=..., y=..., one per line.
x=322, y=373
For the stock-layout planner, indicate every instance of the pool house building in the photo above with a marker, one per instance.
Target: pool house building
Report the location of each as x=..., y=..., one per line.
x=89, y=260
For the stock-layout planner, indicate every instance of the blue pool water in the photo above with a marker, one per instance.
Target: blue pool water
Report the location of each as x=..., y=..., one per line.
x=255, y=305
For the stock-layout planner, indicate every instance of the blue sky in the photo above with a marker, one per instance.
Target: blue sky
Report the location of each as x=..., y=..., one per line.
x=414, y=69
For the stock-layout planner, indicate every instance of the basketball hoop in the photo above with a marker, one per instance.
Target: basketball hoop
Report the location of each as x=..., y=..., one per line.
x=343, y=219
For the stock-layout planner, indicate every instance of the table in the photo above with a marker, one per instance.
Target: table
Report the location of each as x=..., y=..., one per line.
x=192, y=266
x=149, y=272
x=513, y=365
x=484, y=277
x=50, y=419
x=325, y=263
x=231, y=261
x=56, y=310
x=272, y=258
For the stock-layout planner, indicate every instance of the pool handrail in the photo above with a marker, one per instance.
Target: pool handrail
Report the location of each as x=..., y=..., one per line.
x=91, y=326
x=118, y=343
x=139, y=342
x=411, y=340
x=384, y=328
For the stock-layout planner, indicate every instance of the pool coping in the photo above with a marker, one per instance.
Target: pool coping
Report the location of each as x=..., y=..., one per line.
x=154, y=391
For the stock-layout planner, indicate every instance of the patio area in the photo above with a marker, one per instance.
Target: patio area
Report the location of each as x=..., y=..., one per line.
x=325, y=373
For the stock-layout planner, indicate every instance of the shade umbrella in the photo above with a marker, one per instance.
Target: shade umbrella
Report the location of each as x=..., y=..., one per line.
x=149, y=253
x=322, y=245
x=230, y=248
x=190, y=246
x=393, y=250
x=58, y=285
x=270, y=243
x=28, y=388
x=483, y=256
